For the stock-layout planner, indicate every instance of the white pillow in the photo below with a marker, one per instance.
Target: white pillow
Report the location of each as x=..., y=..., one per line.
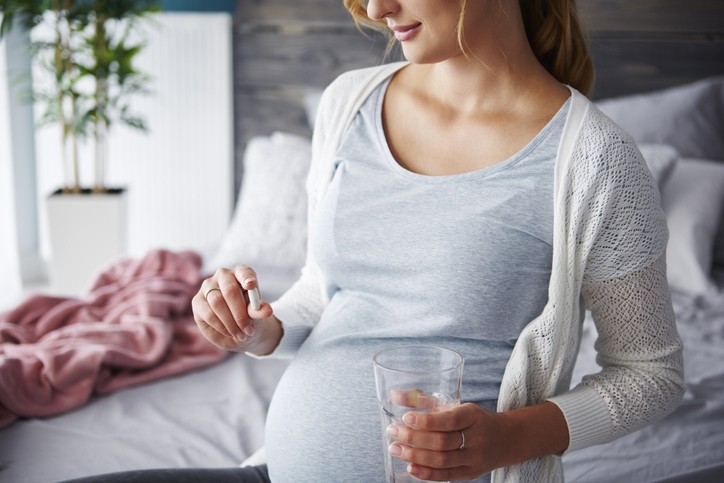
x=660, y=158
x=690, y=117
x=269, y=226
x=693, y=200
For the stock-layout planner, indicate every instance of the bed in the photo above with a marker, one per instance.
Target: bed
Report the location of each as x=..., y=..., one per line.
x=660, y=75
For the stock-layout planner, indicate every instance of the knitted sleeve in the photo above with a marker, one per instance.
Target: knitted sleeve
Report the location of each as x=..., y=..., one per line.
x=622, y=240
x=640, y=353
x=638, y=347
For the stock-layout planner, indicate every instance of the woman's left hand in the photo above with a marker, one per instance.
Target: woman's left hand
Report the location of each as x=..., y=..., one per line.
x=461, y=443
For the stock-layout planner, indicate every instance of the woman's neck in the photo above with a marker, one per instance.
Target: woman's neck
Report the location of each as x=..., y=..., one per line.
x=498, y=70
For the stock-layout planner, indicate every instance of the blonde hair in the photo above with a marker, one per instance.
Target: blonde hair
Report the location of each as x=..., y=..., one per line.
x=556, y=35
x=554, y=30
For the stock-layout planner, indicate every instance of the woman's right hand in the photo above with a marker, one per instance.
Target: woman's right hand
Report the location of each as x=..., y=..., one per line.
x=223, y=314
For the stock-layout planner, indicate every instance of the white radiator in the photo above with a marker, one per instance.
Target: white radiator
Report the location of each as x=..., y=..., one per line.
x=179, y=174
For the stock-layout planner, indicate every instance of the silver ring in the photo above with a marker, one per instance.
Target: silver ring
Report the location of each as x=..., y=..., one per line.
x=462, y=445
x=210, y=290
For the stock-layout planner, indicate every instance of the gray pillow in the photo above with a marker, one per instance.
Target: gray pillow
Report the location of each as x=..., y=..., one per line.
x=693, y=200
x=690, y=117
x=661, y=159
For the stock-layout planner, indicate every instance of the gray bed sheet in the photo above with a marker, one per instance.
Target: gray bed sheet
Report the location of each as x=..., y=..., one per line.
x=688, y=445
x=210, y=418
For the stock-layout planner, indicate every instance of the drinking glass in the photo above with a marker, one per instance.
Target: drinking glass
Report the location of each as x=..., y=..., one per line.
x=413, y=378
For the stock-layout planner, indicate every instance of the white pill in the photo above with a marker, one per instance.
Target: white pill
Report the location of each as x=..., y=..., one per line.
x=254, y=298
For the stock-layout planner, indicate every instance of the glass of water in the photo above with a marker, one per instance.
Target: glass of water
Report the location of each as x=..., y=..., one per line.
x=413, y=378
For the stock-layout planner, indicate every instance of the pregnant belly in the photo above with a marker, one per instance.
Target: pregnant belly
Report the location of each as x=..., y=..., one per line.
x=323, y=421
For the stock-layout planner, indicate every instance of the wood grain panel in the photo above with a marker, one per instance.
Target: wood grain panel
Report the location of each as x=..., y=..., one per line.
x=312, y=59
x=273, y=110
x=626, y=66
x=292, y=11
x=653, y=16
x=691, y=16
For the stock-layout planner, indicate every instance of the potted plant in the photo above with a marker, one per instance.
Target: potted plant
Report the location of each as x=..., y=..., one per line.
x=88, y=51
x=111, y=23
x=56, y=56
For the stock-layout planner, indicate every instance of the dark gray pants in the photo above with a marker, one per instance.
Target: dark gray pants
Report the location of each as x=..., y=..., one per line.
x=251, y=474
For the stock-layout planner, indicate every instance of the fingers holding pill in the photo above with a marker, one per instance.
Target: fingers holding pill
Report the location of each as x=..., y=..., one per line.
x=227, y=305
x=228, y=302
x=205, y=316
x=256, y=307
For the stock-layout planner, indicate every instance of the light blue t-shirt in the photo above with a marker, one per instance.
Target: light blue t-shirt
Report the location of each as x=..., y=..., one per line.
x=461, y=261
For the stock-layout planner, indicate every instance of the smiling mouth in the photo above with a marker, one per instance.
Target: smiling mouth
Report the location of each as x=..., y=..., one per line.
x=406, y=32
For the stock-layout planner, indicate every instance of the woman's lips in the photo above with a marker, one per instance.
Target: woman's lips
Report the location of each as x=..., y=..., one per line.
x=406, y=32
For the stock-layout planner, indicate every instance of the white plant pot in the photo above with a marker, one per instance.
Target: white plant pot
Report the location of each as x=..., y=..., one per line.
x=87, y=232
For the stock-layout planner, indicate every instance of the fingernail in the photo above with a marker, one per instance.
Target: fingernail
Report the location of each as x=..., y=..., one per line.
x=393, y=431
x=395, y=449
x=240, y=337
x=247, y=281
x=410, y=419
x=249, y=330
x=414, y=470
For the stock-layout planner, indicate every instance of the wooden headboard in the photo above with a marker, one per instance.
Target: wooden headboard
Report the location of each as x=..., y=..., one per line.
x=283, y=48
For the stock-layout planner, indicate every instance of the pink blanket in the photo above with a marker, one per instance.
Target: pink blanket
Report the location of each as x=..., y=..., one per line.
x=135, y=325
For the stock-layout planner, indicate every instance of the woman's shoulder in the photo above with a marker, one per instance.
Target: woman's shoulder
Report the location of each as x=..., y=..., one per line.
x=610, y=188
x=353, y=85
x=357, y=77
x=601, y=146
x=592, y=125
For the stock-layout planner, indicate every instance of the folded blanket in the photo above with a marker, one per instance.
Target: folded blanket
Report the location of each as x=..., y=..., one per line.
x=135, y=325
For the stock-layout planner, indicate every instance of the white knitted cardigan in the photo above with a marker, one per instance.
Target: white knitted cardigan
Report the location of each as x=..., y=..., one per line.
x=609, y=246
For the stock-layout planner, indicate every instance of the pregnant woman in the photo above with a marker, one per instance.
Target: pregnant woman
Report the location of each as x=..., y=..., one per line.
x=470, y=197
